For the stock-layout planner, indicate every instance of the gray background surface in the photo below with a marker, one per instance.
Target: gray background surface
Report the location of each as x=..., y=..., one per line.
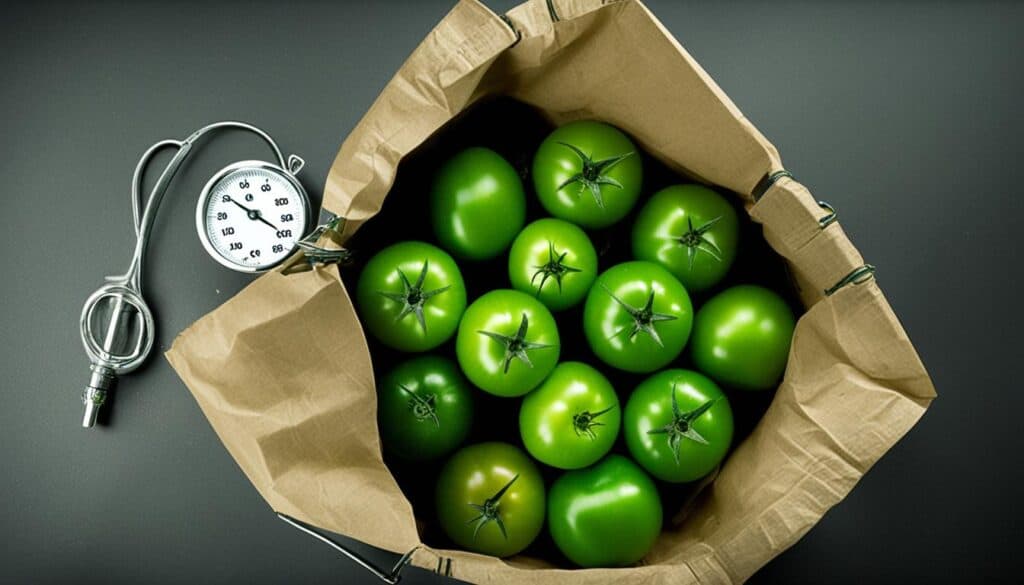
x=904, y=115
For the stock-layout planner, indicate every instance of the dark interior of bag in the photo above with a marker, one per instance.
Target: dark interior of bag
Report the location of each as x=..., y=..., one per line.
x=515, y=130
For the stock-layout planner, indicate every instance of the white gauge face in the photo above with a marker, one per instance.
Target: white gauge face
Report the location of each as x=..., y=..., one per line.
x=252, y=217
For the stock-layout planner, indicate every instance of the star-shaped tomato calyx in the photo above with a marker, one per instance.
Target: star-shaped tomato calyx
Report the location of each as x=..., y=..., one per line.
x=413, y=297
x=554, y=268
x=696, y=240
x=592, y=175
x=583, y=423
x=422, y=407
x=681, y=425
x=643, y=318
x=516, y=347
x=490, y=511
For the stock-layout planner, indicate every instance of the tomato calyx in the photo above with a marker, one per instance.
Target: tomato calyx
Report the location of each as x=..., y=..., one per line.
x=555, y=268
x=681, y=425
x=591, y=175
x=695, y=240
x=516, y=347
x=584, y=422
x=643, y=319
x=422, y=407
x=413, y=297
x=489, y=511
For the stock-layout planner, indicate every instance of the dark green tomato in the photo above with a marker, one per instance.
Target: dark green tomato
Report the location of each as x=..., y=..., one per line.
x=678, y=425
x=477, y=204
x=411, y=296
x=588, y=173
x=490, y=499
x=690, y=230
x=608, y=515
x=637, y=317
x=554, y=261
x=424, y=408
x=572, y=419
x=507, y=342
x=741, y=337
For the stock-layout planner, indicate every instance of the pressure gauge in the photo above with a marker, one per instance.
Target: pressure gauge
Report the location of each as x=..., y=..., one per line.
x=251, y=214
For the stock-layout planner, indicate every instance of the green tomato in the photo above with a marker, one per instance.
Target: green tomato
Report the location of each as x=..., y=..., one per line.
x=507, y=343
x=690, y=230
x=637, y=317
x=678, y=425
x=424, y=408
x=411, y=296
x=490, y=499
x=477, y=204
x=554, y=261
x=741, y=337
x=588, y=173
x=608, y=515
x=572, y=419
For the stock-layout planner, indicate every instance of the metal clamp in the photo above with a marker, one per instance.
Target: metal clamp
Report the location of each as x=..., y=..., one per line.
x=829, y=219
x=766, y=183
x=393, y=576
x=312, y=253
x=856, y=276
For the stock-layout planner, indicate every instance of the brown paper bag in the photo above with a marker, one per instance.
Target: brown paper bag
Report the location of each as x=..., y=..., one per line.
x=283, y=373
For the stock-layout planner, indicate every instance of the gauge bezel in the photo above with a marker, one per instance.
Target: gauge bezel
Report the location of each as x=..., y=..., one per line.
x=204, y=203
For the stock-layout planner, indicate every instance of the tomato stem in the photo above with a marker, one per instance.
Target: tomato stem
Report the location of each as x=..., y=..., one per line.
x=489, y=511
x=681, y=425
x=413, y=297
x=555, y=268
x=584, y=422
x=592, y=174
x=516, y=347
x=643, y=319
x=696, y=240
x=422, y=407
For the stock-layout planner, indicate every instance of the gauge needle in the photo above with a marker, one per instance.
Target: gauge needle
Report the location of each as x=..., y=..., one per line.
x=253, y=213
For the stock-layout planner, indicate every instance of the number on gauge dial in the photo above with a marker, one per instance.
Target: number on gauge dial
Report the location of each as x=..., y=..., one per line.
x=254, y=217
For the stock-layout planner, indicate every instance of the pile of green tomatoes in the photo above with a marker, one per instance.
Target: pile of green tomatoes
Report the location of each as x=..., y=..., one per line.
x=591, y=456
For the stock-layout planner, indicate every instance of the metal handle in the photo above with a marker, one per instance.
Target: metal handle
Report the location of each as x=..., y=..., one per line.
x=393, y=576
x=130, y=317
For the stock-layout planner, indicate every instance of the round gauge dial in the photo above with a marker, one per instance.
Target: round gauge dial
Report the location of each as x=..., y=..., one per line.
x=251, y=215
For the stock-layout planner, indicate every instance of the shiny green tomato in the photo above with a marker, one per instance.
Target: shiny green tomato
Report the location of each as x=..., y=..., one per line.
x=572, y=419
x=608, y=515
x=741, y=337
x=554, y=261
x=589, y=173
x=637, y=317
x=490, y=499
x=507, y=342
x=411, y=296
x=424, y=408
x=477, y=204
x=678, y=425
x=690, y=230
